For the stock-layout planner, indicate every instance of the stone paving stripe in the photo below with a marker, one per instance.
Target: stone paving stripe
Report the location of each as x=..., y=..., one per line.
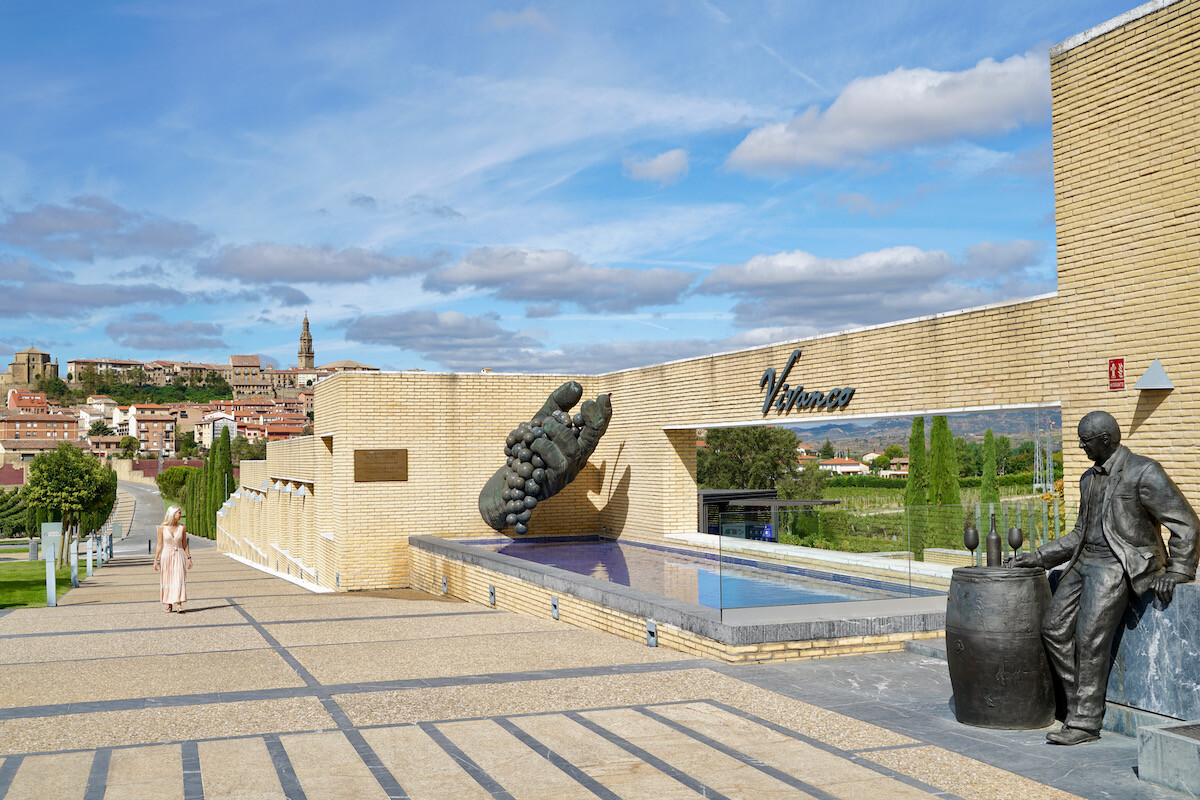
x=98, y=777
x=158, y=605
x=7, y=770
x=593, y=785
x=284, y=769
x=387, y=781
x=887, y=747
x=621, y=773
x=238, y=769
x=123, y=630
x=488, y=783
x=662, y=766
x=193, y=786
x=777, y=774
x=299, y=669
x=232, y=624
x=134, y=703
x=427, y=771
x=882, y=770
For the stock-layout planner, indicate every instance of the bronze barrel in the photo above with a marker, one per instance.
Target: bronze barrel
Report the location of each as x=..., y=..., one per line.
x=998, y=669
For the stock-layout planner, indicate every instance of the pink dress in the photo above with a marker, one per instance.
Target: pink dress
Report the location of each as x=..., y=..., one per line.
x=173, y=564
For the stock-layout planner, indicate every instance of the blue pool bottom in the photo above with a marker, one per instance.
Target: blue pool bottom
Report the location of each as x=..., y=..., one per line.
x=698, y=577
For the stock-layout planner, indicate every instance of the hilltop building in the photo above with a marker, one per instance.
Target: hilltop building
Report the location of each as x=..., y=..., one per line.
x=27, y=368
x=305, y=358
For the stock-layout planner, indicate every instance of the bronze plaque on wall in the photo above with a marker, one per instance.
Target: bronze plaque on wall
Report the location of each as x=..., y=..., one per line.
x=371, y=466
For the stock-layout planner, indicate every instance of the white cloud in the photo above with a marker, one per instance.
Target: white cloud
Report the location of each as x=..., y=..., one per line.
x=88, y=227
x=664, y=169
x=874, y=287
x=903, y=109
x=547, y=276
x=266, y=262
x=149, y=331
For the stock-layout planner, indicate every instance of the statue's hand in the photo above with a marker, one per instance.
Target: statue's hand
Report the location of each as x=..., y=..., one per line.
x=1025, y=560
x=1164, y=585
x=555, y=457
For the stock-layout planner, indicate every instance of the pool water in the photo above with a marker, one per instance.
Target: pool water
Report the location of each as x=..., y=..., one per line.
x=697, y=577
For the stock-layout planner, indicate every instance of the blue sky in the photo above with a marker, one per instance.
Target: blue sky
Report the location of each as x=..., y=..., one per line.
x=554, y=186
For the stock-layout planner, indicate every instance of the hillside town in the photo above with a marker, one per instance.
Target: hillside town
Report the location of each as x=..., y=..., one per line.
x=265, y=403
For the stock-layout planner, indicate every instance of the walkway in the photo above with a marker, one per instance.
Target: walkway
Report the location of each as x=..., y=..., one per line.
x=262, y=690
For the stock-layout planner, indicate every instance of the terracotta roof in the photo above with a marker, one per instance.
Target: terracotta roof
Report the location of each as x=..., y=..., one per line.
x=38, y=444
x=344, y=365
x=842, y=461
x=243, y=361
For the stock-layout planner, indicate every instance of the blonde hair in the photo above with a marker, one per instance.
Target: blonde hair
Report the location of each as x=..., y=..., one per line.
x=169, y=519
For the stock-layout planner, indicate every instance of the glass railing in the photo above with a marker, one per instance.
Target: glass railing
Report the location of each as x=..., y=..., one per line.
x=796, y=555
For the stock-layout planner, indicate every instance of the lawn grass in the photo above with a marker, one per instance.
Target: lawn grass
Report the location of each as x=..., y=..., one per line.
x=23, y=583
x=22, y=549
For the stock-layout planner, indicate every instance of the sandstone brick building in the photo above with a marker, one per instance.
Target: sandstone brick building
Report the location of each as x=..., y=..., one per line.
x=1126, y=170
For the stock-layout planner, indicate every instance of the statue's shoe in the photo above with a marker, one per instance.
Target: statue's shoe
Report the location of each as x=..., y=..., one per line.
x=1067, y=735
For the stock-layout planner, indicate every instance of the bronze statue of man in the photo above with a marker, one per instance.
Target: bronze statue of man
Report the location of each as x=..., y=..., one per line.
x=1114, y=552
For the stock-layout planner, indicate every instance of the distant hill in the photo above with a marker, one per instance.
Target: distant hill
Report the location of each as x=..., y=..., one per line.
x=1018, y=426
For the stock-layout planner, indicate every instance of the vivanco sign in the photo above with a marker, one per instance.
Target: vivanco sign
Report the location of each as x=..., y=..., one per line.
x=785, y=397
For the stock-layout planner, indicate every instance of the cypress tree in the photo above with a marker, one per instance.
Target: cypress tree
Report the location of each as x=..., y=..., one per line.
x=220, y=475
x=916, y=490
x=943, y=480
x=989, y=492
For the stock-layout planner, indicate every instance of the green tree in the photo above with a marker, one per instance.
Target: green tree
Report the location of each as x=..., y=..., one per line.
x=90, y=379
x=99, y=428
x=826, y=450
x=1003, y=449
x=185, y=445
x=943, y=481
x=68, y=482
x=191, y=506
x=916, y=491
x=54, y=387
x=969, y=456
x=242, y=449
x=988, y=491
x=880, y=462
x=1021, y=459
x=746, y=458
x=172, y=483
x=220, y=480
x=894, y=451
x=806, y=483
x=129, y=446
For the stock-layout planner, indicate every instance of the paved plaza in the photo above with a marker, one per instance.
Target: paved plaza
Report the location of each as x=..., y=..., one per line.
x=261, y=689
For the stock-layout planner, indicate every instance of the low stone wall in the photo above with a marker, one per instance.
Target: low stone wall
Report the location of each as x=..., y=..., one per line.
x=125, y=472
x=529, y=591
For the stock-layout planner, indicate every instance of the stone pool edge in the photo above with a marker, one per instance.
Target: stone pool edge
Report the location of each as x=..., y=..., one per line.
x=471, y=573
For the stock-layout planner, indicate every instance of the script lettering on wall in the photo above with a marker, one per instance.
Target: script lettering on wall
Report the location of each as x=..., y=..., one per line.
x=784, y=397
x=377, y=466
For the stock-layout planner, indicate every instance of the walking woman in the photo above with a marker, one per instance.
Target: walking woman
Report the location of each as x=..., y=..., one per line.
x=173, y=554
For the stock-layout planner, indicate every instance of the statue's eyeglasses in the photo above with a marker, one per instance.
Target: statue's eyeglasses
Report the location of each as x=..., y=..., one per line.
x=1084, y=441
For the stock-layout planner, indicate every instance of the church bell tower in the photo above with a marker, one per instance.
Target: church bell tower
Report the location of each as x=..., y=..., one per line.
x=304, y=356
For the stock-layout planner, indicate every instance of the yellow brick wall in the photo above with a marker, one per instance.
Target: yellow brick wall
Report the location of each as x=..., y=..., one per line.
x=1126, y=122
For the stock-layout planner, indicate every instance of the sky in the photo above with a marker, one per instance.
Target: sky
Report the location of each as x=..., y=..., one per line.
x=547, y=187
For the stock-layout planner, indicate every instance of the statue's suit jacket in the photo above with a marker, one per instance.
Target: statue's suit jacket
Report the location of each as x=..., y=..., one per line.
x=1138, y=498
